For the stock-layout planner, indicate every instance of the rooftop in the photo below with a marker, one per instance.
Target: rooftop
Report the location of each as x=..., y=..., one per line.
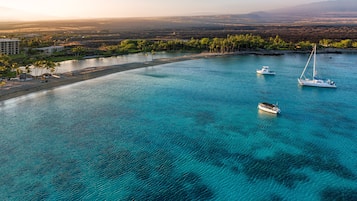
x=8, y=39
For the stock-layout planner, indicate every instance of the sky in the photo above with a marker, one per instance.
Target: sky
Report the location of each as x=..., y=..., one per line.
x=74, y=9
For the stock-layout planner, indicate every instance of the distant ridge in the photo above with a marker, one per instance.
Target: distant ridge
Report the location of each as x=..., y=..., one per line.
x=323, y=7
x=344, y=11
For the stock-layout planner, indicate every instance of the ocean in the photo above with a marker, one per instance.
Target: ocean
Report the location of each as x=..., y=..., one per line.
x=189, y=130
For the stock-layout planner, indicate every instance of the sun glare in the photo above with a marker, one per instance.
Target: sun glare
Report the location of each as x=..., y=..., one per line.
x=40, y=9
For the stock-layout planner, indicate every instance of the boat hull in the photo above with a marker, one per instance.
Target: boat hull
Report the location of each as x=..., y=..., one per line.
x=316, y=83
x=265, y=73
x=269, y=109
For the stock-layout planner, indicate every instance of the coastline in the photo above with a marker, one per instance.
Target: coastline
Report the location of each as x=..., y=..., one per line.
x=15, y=89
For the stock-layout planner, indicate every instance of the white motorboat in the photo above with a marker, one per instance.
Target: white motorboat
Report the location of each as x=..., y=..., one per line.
x=268, y=107
x=314, y=82
x=265, y=71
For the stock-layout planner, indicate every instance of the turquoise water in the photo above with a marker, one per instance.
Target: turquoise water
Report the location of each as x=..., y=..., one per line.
x=186, y=131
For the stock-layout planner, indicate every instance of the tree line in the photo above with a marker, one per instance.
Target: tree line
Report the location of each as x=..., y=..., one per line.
x=232, y=43
x=10, y=68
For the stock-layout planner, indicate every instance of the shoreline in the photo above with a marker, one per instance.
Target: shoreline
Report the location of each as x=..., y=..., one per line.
x=14, y=89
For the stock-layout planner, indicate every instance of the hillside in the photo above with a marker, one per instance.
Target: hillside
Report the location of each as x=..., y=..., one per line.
x=321, y=8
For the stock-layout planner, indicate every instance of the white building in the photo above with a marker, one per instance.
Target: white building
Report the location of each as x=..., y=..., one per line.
x=9, y=46
x=51, y=49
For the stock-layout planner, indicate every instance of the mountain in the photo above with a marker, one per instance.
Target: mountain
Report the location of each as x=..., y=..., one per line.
x=321, y=8
x=333, y=11
x=323, y=12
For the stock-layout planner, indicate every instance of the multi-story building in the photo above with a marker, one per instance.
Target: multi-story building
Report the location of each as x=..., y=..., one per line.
x=9, y=46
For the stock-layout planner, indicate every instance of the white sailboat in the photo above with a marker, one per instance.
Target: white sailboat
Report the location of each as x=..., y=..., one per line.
x=314, y=82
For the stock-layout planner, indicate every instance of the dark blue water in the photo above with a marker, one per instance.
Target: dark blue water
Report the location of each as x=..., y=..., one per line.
x=186, y=131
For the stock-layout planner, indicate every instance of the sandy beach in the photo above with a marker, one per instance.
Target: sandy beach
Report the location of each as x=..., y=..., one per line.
x=15, y=88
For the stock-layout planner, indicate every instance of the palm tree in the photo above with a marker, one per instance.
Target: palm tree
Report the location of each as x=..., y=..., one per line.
x=45, y=64
x=38, y=65
x=6, y=65
x=27, y=70
x=50, y=65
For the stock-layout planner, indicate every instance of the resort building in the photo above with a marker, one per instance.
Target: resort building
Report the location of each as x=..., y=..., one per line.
x=9, y=46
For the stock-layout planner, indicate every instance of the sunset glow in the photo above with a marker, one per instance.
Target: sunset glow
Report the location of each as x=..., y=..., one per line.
x=69, y=9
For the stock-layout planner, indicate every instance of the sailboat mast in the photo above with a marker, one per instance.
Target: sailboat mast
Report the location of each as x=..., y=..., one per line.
x=314, y=71
x=307, y=63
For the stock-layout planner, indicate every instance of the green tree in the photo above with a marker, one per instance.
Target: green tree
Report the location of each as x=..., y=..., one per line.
x=45, y=64
x=354, y=44
x=7, y=66
x=325, y=42
x=347, y=43
x=79, y=50
x=143, y=45
x=216, y=45
x=276, y=43
x=204, y=43
x=193, y=44
x=128, y=46
x=160, y=46
x=304, y=45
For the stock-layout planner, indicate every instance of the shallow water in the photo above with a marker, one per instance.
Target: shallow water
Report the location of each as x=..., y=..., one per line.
x=188, y=131
x=73, y=65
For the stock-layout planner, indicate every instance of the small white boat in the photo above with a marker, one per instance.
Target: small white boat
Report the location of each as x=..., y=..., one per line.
x=314, y=82
x=56, y=76
x=268, y=107
x=265, y=71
